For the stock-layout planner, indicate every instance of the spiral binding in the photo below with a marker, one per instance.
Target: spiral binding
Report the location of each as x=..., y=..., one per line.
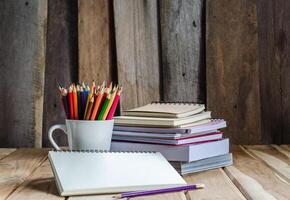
x=102, y=151
x=176, y=102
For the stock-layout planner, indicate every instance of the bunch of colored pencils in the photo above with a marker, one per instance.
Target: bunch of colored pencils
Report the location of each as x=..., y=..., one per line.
x=81, y=102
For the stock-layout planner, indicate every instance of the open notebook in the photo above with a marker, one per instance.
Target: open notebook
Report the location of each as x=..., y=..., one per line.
x=97, y=172
x=159, y=109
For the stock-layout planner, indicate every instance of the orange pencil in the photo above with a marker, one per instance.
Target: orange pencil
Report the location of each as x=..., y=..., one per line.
x=90, y=106
x=110, y=103
x=75, y=102
x=97, y=104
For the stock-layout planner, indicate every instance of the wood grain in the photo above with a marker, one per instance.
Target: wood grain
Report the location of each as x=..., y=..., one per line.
x=40, y=185
x=270, y=77
x=286, y=147
x=15, y=168
x=254, y=178
x=61, y=62
x=169, y=196
x=137, y=51
x=249, y=186
x=181, y=29
x=233, y=91
x=273, y=158
x=94, y=40
x=5, y=152
x=22, y=61
x=273, y=31
x=217, y=185
x=282, y=150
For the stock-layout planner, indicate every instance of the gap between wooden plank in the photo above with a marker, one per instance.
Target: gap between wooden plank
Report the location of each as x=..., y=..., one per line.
x=39, y=185
x=247, y=185
x=273, y=158
x=16, y=167
x=254, y=178
x=5, y=152
x=282, y=150
x=217, y=186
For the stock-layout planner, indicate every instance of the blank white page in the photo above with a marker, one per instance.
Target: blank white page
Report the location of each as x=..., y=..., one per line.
x=79, y=173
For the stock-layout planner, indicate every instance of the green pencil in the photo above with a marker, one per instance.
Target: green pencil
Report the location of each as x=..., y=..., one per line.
x=105, y=105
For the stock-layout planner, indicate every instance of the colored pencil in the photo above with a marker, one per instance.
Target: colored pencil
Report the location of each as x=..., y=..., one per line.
x=64, y=100
x=79, y=102
x=75, y=101
x=65, y=103
x=159, y=191
x=107, y=91
x=87, y=92
x=88, y=100
x=83, y=101
x=70, y=101
x=104, y=107
x=114, y=92
x=114, y=105
x=90, y=106
x=94, y=86
x=97, y=104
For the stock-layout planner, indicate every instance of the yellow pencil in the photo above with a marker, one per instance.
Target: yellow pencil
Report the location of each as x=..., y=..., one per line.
x=90, y=106
x=91, y=94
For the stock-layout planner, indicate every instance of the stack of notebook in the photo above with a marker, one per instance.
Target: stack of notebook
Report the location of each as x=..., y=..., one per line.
x=184, y=133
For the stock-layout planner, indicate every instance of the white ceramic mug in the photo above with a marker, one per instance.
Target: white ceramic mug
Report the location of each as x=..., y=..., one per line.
x=85, y=134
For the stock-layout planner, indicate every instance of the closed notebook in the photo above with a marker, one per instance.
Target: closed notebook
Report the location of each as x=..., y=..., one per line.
x=206, y=125
x=193, y=139
x=187, y=153
x=158, y=109
x=100, y=172
x=160, y=122
x=204, y=164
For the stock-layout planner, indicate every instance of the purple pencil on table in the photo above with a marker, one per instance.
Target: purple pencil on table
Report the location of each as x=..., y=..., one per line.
x=159, y=191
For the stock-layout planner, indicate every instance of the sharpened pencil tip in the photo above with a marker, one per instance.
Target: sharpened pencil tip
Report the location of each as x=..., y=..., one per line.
x=200, y=186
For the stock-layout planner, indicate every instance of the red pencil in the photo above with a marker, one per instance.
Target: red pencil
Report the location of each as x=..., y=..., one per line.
x=114, y=105
x=70, y=102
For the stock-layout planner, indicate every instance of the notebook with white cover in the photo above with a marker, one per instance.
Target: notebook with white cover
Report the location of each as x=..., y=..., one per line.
x=187, y=153
x=160, y=109
x=100, y=172
x=160, y=122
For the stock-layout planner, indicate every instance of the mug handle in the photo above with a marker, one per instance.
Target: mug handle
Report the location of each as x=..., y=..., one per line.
x=50, y=131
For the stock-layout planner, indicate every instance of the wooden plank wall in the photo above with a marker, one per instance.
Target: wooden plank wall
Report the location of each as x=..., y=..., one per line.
x=233, y=89
x=94, y=33
x=231, y=55
x=61, y=61
x=182, y=46
x=22, y=61
x=137, y=51
x=247, y=68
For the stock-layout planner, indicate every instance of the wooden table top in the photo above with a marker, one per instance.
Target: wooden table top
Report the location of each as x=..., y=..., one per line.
x=259, y=172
